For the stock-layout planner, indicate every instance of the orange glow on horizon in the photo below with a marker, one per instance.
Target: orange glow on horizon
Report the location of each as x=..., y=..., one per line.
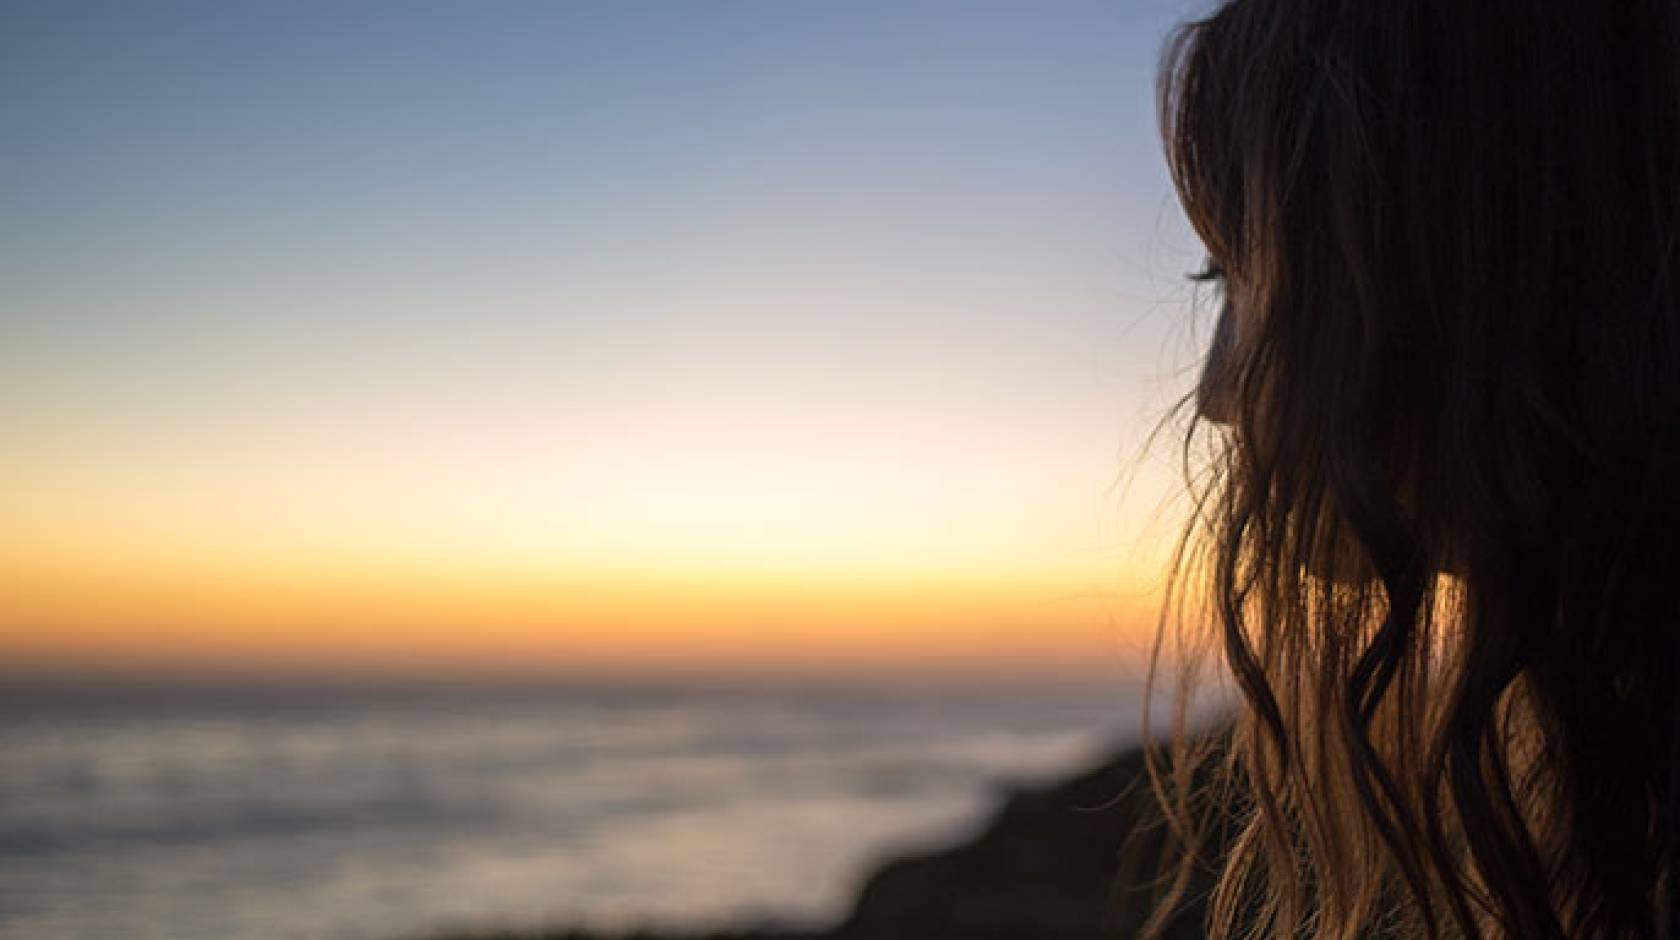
x=230, y=614
x=301, y=574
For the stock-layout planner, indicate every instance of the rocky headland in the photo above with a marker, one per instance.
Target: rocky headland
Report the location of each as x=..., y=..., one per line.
x=1081, y=859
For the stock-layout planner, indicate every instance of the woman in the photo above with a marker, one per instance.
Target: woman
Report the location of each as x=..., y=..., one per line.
x=1439, y=533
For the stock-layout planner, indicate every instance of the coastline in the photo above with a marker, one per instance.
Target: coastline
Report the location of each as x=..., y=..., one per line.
x=1078, y=859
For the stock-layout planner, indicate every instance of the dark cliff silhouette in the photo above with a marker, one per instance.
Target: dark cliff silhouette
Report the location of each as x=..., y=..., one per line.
x=1077, y=860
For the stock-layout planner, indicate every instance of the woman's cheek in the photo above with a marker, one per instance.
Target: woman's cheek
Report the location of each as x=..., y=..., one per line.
x=1215, y=391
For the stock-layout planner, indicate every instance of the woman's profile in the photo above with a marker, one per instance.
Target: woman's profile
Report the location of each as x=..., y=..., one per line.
x=1436, y=540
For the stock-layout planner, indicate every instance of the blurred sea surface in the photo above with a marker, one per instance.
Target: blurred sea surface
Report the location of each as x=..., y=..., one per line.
x=192, y=813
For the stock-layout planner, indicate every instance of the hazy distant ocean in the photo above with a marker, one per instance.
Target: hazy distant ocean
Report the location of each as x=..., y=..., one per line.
x=331, y=813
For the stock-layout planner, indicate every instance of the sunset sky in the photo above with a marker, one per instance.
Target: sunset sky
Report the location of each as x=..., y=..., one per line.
x=585, y=338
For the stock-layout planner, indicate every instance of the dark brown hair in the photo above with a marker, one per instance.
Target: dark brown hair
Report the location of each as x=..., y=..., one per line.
x=1437, y=534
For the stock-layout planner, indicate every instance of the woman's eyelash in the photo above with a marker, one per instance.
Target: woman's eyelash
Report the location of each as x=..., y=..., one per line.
x=1210, y=271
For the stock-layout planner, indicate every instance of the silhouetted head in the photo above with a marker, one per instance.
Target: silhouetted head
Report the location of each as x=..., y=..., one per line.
x=1440, y=532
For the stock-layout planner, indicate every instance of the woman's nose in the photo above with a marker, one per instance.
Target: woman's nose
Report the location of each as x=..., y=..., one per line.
x=1215, y=394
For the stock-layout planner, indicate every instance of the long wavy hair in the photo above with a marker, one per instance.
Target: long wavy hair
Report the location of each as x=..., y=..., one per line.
x=1436, y=529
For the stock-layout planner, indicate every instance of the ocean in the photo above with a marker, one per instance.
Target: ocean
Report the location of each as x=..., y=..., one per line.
x=341, y=813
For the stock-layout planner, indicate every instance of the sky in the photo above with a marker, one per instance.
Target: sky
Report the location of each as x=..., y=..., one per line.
x=578, y=338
